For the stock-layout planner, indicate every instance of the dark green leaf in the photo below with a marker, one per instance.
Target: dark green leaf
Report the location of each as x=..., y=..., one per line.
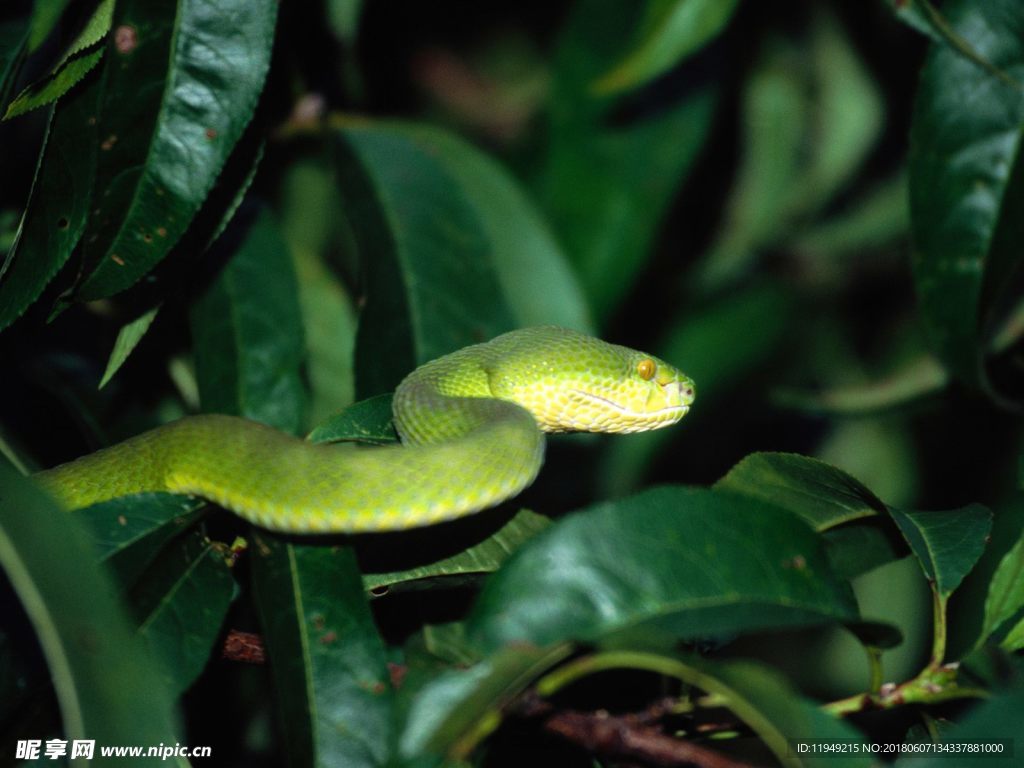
x=821, y=494
x=947, y=543
x=59, y=203
x=859, y=548
x=130, y=531
x=325, y=654
x=430, y=287
x=996, y=719
x=368, y=421
x=966, y=177
x=671, y=31
x=454, y=711
x=481, y=558
x=642, y=564
x=82, y=55
x=171, y=115
x=1006, y=591
x=247, y=330
x=534, y=273
x=128, y=337
x=108, y=686
x=607, y=180
x=184, y=597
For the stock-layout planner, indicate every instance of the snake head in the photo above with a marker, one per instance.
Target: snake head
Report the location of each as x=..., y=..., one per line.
x=583, y=384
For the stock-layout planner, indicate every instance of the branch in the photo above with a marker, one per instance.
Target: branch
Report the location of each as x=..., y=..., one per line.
x=626, y=737
x=244, y=646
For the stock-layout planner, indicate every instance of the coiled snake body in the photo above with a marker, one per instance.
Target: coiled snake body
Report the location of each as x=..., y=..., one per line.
x=471, y=425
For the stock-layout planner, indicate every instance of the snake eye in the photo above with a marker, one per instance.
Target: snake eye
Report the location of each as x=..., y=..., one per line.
x=646, y=369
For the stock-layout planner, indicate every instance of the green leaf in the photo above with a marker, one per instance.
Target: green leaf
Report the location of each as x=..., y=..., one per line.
x=608, y=178
x=966, y=172
x=82, y=55
x=483, y=557
x=1014, y=640
x=128, y=337
x=108, y=686
x=184, y=598
x=534, y=272
x=640, y=566
x=1005, y=596
x=671, y=31
x=170, y=117
x=452, y=712
x=999, y=718
x=428, y=284
x=326, y=657
x=821, y=494
x=915, y=380
x=368, y=421
x=58, y=205
x=856, y=549
x=946, y=543
x=130, y=531
x=247, y=330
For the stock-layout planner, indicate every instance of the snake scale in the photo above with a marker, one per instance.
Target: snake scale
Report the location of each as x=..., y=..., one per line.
x=471, y=425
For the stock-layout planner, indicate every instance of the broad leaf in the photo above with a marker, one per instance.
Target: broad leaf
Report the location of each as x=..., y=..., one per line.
x=328, y=662
x=641, y=567
x=429, y=285
x=966, y=177
x=57, y=208
x=171, y=115
x=534, y=273
x=947, y=543
x=107, y=684
x=181, y=604
x=45, y=15
x=247, y=329
x=130, y=531
x=452, y=712
x=821, y=494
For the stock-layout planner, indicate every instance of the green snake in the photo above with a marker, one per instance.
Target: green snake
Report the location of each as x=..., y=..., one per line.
x=471, y=425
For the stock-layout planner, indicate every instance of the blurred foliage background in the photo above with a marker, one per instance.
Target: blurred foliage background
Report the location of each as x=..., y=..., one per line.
x=756, y=192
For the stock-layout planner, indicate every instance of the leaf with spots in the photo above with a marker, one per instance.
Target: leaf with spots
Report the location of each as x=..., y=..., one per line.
x=181, y=603
x=368, y=421
x=327, y=660
x=58, y=205
x=641, y=567
x=181, y=82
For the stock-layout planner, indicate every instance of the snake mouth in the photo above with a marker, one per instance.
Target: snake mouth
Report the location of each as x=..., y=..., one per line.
x=682, y=410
